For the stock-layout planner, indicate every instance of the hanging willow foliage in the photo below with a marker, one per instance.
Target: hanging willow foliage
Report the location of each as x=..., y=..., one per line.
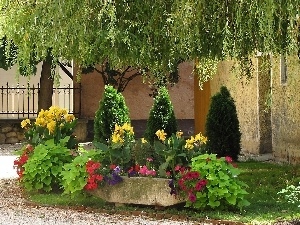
x=150, y=34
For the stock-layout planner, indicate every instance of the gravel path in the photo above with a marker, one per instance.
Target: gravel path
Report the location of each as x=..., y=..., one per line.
x=15, y=210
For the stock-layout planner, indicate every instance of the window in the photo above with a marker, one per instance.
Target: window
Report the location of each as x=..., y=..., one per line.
x=283, y=70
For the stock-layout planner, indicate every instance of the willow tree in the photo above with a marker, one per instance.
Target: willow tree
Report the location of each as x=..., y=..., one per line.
x=152, y=34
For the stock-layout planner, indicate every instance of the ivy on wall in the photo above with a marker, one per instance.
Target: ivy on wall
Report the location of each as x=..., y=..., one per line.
x=151, y=34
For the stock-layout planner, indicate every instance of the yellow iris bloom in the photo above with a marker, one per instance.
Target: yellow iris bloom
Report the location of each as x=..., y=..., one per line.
x=25, y=122
x=179, y=134
x=51, y=126
x=161, y=135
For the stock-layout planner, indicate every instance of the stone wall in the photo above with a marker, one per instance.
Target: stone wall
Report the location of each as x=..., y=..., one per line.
x=10, y=132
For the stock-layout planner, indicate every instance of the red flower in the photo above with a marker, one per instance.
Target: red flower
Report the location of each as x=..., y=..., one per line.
x=90, y=170
x=90, y=186
x=137, y=168
x=89, y=163
x=181, y=182
x=112, y=166
x=96, y=165
x=191, y=175
x=29, y=147
x=99, y=177
x=234, y=165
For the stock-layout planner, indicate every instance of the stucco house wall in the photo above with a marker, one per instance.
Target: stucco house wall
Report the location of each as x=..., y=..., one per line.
x=286, y=111
x=268, y=109
x=244, y=93
x=137, y=95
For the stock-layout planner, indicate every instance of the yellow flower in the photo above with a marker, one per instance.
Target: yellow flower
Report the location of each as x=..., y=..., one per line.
x=189, y=144
x=127, y=127
x=69, y=117
x=41, y=114
x=51, y=126
x=116, y=138
x=144, y=140
x=179, y=134
x=40, y=121
x=25, y=122
x=201, y=138
x=161, y=135
x=119, y=130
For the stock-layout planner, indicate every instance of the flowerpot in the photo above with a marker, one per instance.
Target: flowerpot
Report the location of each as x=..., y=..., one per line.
x=138, y=190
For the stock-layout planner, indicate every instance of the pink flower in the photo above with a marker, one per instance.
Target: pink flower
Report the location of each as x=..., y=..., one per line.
x=228, y=159
x=153, y=173
x=143, y=170
x=168, y=173
x=192, y=197
x=149, y=159
x=200, y=185
x=177, y=168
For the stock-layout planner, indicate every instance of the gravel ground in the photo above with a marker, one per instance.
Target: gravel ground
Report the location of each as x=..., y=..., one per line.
x=16, y=210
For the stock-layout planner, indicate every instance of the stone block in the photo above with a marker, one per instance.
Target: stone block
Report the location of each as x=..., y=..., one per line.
x=20, y=136
x=138, y=190
x=6, y=129
x=11, y=140
x=11, y=134
x=2, y=138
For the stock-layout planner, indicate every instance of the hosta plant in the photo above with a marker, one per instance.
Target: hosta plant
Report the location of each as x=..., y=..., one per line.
x=42, y=170
x=222, y=187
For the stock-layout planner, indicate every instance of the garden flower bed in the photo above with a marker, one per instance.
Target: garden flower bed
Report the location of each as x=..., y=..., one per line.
x=125, y=170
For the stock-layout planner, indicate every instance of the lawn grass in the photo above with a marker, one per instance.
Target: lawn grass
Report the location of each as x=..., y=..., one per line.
x=264, y=181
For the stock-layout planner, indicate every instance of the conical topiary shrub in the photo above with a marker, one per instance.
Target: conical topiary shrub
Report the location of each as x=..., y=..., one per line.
x=112, y=109
x=222, y=126
x=161, y=116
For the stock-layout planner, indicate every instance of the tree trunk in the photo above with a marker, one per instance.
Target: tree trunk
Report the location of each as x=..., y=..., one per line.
x=46, y=87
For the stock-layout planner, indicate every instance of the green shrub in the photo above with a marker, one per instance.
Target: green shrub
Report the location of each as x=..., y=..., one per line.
x=162, y=116
x=42, y=170
x=112, y=110
x=222, y=126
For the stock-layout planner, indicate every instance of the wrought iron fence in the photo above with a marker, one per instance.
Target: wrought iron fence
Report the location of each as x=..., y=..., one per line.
x=22, y=101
